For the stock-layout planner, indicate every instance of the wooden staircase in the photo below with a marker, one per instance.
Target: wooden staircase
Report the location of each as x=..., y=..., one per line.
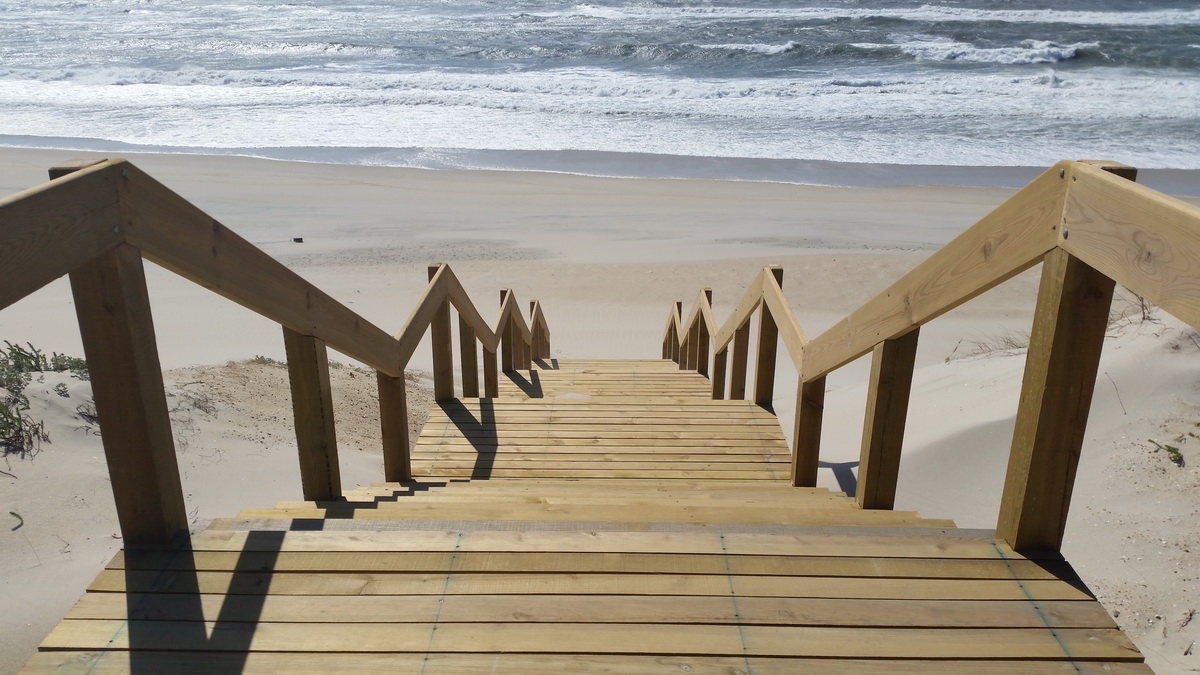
x=597, y=516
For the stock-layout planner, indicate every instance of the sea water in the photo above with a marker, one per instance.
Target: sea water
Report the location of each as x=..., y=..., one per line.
x=737, y=88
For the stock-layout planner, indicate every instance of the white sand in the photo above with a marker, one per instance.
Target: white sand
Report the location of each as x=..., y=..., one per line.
x=606, y=257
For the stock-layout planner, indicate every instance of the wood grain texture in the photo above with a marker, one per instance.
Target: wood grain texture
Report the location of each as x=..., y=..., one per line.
x=442, y=344
x=312, y=407
x=883, y=424
x=1056, y=395
x=115, y=323
x=806, y=432
x=52, y=229
x=1009, y=240
x=179, y=236
x=393, y=420
x=1146, y=241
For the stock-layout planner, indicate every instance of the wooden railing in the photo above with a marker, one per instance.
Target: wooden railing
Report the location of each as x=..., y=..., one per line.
x=96, y=221
x=1087, y=223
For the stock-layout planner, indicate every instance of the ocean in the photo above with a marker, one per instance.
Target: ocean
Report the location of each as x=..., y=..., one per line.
x=764, y=89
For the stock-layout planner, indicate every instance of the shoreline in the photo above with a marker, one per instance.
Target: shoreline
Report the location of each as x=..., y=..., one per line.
x=605, y=164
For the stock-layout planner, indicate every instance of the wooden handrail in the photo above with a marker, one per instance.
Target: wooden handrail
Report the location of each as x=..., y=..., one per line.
x=97, y=220
x=1091, y=226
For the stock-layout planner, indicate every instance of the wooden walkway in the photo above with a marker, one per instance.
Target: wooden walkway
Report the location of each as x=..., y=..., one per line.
x=599, y=516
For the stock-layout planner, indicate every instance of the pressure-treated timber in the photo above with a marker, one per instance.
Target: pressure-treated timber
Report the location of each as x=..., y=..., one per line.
x=173, y=233
x=312, y=406
x=469, y=353
x=113, y=308
x=883, y=424
x=1056, y=395
x=768, y=337
x=806, y=432
x=393, y=419
x=443, y=349
x=49, y=230
x=1007, y=241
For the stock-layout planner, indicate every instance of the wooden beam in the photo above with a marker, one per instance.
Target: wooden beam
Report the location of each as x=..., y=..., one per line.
x=504, y=328
x=1056, y=395
x=720, y=368
x=703, y=335
x=491, y=375
x=470, y=358
x=49, y=230
x=768, y=343
x=883, y=426
x=174, y=233
x=443, y=348
x=741, y=356
x=806, y=432
x=115, y=323
x=1004, y=243
x=393, y=419
x=1146, y=241
x=312, y=405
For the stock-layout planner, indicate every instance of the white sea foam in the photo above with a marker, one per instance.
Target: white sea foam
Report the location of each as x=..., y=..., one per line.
x=1029, y=51
x=755, y=48
x=925, y=13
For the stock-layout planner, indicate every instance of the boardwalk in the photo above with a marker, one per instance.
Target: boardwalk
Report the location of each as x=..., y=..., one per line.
x=598, y=516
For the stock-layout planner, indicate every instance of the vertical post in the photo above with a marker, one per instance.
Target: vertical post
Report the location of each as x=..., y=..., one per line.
x=693, y=345
x=113, y=308
x=491, y=378
x=676, y=354
x=535, y=333
x=506, y=337
x=703, y=338
x=768, y=343
x=443, y=348
x=393, y=418
x=312, y=405
x=1056, y=395
x=720, y=361
x=741, y=355
x=883, y=426
x=806, y=435
x=470, y=358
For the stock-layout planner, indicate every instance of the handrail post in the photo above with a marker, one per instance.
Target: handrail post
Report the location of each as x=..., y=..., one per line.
x=883, y=425
x=676, y=347
x=1056, y=394
x=312, y=405
x=768, y=343
x=443, y=350
x=703, y=338
x=741, y=356
x=806, y=434
x=720, y=367
x=113, y=308
x=506, y=337
x=469, y=354
x=393, y=418
x=491, y=376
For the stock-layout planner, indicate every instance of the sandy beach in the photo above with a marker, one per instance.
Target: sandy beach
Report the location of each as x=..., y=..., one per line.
x=606, y=257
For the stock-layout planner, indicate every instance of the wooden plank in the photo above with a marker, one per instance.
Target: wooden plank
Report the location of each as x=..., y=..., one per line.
x=596, y=610
x=1056, y=395
x=49, y=230
x=393, y=418
x=806, y=434
x=1009, y=240
x=532, y=583
x=115, y=323
x=1146, y=241
x=269, y=663
x=175, y=234
x=312, y=407
x=1065, y=644
x=346, y=562
x=768, y=344
x=730, y=543
x=741, y=351
x=883, y=425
